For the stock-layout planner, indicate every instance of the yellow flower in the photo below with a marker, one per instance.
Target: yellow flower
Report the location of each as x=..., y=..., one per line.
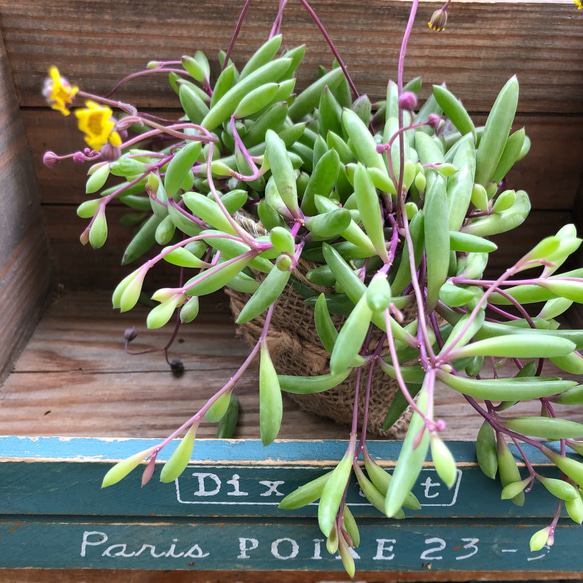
x=59, y=92
x=578, y=3
x=97, y=122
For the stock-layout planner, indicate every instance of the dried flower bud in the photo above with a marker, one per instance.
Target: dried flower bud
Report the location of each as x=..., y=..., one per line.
x=51, y=160
x=110, y=153
x=408, y=101
x=439, y=18
x=433, y=120
x=177, y=367
x=130, y=334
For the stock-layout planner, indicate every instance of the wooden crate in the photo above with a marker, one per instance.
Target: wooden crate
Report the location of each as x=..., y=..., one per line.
x=73, y=379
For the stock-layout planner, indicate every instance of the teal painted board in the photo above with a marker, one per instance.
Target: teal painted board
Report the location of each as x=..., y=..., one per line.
x=225, y=487
x=222, y=512
x=45, y=488
x=409, y=545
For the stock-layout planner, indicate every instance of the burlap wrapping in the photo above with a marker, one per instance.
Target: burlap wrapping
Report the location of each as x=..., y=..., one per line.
x=295, y=349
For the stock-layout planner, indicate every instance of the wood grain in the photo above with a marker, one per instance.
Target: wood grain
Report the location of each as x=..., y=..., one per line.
x=119, y=576
x=97, y=43
x=25, y=270
x=75, y=379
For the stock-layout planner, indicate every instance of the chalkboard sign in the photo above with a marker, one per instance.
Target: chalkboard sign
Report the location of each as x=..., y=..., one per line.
x=222, y=514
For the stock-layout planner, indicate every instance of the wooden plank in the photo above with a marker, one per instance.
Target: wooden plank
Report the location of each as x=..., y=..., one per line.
x=234, y=478
x=274, y=576
x=232, y=518
x=551, y=173
x=25, y=271
x=539, y=41
x=75, y=379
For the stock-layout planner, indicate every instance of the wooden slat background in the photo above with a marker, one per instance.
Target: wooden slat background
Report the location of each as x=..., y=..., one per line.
x=75, y=379
x=97, y=43
x=25, y=270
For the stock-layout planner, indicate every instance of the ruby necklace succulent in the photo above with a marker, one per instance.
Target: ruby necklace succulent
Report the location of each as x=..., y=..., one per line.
x=394, y=205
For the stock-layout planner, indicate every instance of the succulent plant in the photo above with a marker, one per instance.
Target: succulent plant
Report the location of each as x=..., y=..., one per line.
x=392, y=205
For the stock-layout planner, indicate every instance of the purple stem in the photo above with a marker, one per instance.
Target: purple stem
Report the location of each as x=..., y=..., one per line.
x=276, y=28
x=228, y=386
x=237, y=31
x=400, y=68
x=355, y=409
x=415, y=281
x=503, y=313
x=332, y=47
x=247, y=237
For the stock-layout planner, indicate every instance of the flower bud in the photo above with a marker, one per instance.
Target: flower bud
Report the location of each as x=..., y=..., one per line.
x=438, y=19
x=79, y=158
x=51, y=160
x=408, y=101
x=110, y=153
x=433, y=120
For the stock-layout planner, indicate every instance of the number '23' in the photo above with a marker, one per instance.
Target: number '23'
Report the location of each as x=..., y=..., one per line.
x=438, y=545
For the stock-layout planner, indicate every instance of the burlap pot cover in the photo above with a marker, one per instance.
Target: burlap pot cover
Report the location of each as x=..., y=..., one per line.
x=295, y=349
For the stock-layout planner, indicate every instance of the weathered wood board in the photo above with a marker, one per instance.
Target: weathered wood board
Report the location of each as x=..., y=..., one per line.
x=75, y=379
x=540, y=41
x=222, y=513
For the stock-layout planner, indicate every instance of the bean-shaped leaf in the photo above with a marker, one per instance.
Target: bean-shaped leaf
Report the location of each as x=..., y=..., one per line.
x=309, y=98
x=351, y=337
x=362, y=141
x=508, y=469
x=310, y=385
x=559, y=488
x=370, y=491
x=443, y=461
x=211, y=280
x=370, y=211
x=224, y=107
x=503, y=221
x=262, y=56
x=496, y=132
x=486, y=450
x=324, y=326
x=123, y=468
x=282, y=170
x=180, y=166
x=410, y=460
x=218, y=409
x=530, y=346
x=546, y=427
x=322, y=180
x=572, y=468
x=436, y=239
x=333, y=491
x=267, y=292
x=454, y=110
x=270, y=401
x=179, y=459
x=381, y=479
x=305, y=494
x=501, y=389
x=228, y=422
